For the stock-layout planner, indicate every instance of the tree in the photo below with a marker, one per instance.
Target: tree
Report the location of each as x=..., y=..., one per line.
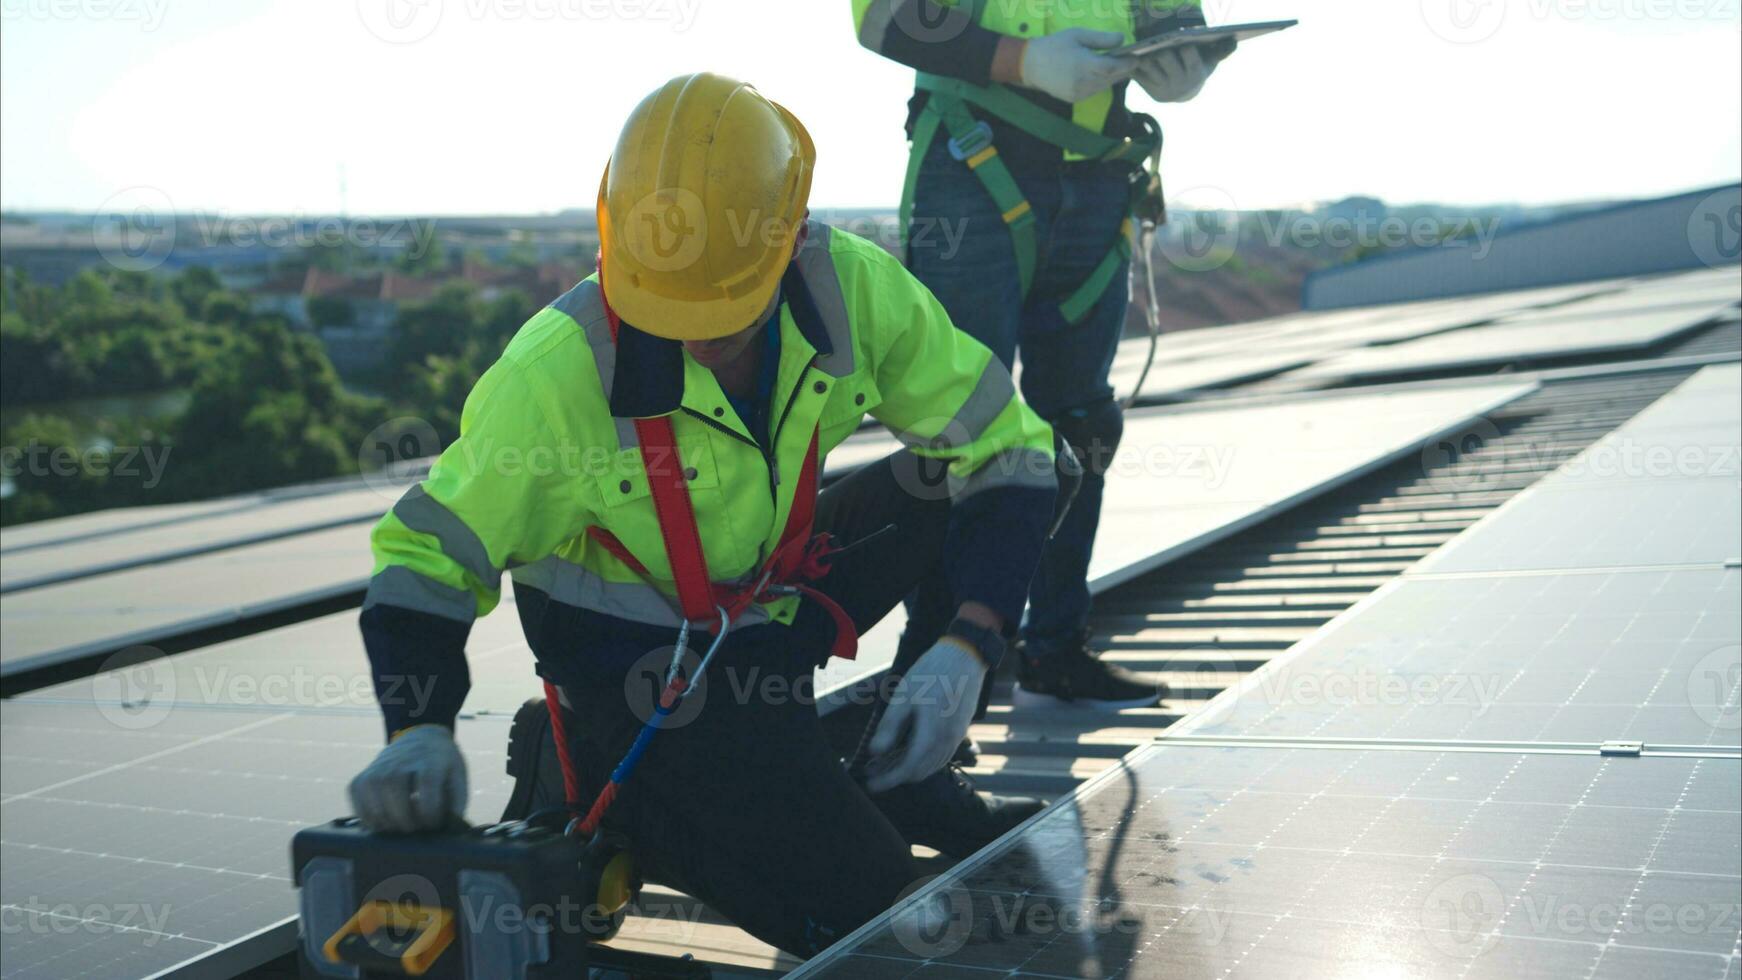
x=438, y=327
x=422, y=259
x=271, y=413
x=192, y=286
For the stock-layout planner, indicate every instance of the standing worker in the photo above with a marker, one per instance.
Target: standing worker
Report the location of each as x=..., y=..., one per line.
x=726, y=345
x=1024, y=150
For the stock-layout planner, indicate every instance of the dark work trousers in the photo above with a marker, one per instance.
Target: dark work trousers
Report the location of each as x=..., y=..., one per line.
x=740, y=801
x=960, y=247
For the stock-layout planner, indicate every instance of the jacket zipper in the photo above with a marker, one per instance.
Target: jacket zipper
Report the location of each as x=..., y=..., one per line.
x=768, y=451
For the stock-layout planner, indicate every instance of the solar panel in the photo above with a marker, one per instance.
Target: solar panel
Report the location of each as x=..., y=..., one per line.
x=128, y=547
x=1660, y=490
x=1179, y=377
x=319, y=665
x=182, y=778
x=1356, y=326
x=1182, y=480
x=1421, y=788
x=1589, y=657
x=1503, y=343
x=131, y=848
x=1632, y=301
x=40, y=533
x=1600, y=604
x=1384, y=325
x=1721, y=283
x=1211, y=860
x=57, y=623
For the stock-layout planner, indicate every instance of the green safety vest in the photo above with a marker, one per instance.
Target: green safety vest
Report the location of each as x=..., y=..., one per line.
x=542, y=457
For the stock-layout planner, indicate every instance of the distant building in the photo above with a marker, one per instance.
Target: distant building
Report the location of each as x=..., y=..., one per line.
x=353, y=315
x=541, y=283
x=1699, y=229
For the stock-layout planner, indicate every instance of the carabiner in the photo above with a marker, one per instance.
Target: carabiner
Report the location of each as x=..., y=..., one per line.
x=707, y=658
x=683, y=643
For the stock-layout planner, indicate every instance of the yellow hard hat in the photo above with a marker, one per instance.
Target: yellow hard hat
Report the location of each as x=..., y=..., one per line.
x=698, y=207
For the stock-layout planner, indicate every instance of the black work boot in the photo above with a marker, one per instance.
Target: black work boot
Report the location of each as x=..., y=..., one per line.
x=533, y=762
x=1075, y=676
x=944, y=812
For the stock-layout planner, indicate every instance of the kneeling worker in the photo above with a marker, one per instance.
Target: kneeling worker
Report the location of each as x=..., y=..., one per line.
x=726, y=345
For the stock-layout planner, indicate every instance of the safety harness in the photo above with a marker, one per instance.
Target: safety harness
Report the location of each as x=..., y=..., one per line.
x=800, y=558
x=970, y=141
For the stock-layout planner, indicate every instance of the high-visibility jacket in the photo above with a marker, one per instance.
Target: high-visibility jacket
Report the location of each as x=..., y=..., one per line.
x=548, y=449
x=957, y=38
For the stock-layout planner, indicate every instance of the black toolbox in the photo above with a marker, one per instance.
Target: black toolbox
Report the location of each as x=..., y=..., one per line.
x=511, y=900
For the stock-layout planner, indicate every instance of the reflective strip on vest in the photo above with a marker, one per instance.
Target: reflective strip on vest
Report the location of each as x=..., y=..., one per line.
x=991, y=396
x=585, y=305
x=424, y=514
x=639, y=602
x=397, y=585
x=817, y=266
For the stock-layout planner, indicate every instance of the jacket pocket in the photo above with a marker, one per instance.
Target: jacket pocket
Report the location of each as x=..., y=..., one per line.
x=626, y=482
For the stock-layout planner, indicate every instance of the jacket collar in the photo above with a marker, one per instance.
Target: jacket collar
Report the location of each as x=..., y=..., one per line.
x=648, y=378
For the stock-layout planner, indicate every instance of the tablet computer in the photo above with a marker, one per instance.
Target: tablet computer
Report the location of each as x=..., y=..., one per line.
x=1202, y=35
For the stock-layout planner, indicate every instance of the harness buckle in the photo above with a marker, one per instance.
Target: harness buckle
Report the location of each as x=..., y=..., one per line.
x=971, y=142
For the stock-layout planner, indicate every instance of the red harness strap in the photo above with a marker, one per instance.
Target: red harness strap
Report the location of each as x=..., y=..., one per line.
x=800, y=557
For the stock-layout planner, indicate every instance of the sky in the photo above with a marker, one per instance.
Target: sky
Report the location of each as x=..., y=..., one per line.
x=511, y=106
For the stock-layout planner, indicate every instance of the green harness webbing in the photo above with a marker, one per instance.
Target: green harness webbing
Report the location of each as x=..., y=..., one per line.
x=971, y=143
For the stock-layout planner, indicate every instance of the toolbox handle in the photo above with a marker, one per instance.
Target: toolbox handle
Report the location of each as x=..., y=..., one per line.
x=382, y=935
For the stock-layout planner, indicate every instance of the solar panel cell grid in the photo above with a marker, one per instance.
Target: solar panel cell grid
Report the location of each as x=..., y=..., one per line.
x=130, y=847
x=1641, y=655
x=1662, y=489
x=1270, y=861
x=1501, y=343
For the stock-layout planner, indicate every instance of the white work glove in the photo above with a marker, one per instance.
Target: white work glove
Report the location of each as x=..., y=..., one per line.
x=1175, y=75
x=418, y=782
x=928, y=715
x=1069, y=66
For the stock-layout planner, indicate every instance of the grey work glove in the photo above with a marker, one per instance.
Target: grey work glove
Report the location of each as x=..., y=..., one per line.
x=418, y=782
x=1176, y=75
x=928, y=714
x=1069, y=65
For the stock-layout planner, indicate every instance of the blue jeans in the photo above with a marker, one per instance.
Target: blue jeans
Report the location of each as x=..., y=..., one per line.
x=959, y=246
